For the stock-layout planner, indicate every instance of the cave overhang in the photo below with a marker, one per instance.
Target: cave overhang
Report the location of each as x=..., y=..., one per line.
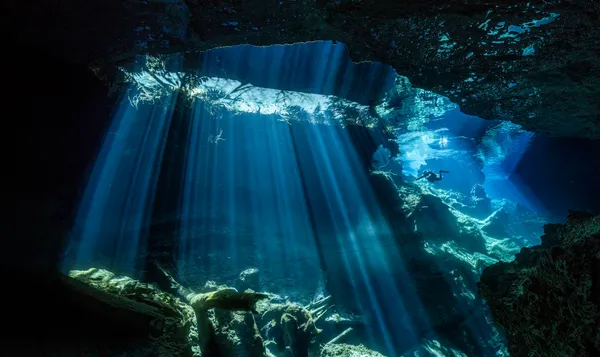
x=533, y=63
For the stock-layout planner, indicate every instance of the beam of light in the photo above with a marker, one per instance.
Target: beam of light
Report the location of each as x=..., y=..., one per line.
x=350, y=219
x=291, y=200
x=242, y=198
x=116, y=206
x=245, y=203
x=246, y=98
x=501, y=151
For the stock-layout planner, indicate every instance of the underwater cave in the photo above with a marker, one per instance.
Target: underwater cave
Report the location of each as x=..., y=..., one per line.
x=302, y=179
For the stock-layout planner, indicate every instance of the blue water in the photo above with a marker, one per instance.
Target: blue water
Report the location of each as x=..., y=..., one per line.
x=213, y=194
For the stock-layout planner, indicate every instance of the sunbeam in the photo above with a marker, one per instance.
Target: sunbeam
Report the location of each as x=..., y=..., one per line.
x=351, y=198
x=112, y=224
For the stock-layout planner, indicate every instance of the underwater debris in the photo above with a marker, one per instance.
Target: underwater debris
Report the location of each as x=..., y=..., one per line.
x=343, y=319
x=228, y=299
x=340, y=336
x=291, y=326
x=433, y=348
x=547, y=299
x=236, y=333
x=223, y=319
x=279, y=329
x=198, y=323
x=222, y=322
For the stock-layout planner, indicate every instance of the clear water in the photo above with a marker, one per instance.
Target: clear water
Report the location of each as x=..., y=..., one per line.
x=267, y=175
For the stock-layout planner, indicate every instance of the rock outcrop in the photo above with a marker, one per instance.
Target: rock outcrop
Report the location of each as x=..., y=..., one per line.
x=339, y=350
x=236, y=334
x=480, y=200
x=496, y=224
x=443, y=251
x=171, y=324
x=548, y=299
x=205, y=324
x=534, y=63
x=248, y=279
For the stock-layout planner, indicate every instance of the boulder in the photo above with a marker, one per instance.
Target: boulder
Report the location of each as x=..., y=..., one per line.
x=248, y=279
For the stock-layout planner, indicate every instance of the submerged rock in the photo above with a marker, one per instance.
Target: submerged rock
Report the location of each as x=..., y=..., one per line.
x=236, y=334
x=291, y=328
x=481, y=201
x=433, y=348
x=170, y=322
x=220, y=322
x=221, y=319
x=228, y=299
x=496, y=224
x=548, y=299
x=437, y=222
x=443, y=251
x=344, y=350
x=248, y=279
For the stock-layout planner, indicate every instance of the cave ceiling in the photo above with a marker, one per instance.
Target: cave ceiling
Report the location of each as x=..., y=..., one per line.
x=534, y=63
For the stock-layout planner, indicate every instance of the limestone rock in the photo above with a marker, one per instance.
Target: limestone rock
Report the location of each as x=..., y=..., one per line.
x=290, y=326
x=496, y=224
x=344, y=350
x=435, y=221
x=433, y=348
x=171, y=323
x=236, y=334
x=248, y=279
x=547, y=299
x=228, y=299
x=534, y=63
x=480, y=200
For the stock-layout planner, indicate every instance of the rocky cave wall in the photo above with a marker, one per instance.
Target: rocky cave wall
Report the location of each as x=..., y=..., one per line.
x=548, y=299
x=534, y=63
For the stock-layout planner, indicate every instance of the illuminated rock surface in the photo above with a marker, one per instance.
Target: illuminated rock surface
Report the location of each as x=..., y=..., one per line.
x=175, y=328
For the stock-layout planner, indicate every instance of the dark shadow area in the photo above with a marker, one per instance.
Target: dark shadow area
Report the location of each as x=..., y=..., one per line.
x=58, y=113
x=70, y=318
x=562, y=174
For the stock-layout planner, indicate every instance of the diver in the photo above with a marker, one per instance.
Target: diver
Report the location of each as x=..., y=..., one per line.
x=432, y=176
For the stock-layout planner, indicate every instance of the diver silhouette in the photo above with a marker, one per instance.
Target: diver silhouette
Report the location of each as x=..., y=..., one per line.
x=432, y=176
